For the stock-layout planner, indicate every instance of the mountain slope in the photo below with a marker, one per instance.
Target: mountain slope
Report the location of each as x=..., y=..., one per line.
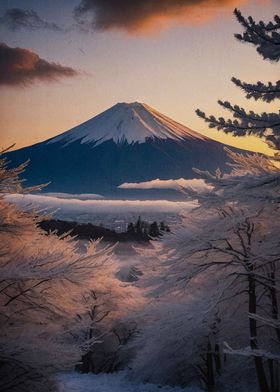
x=134, y=123
x=127, y=143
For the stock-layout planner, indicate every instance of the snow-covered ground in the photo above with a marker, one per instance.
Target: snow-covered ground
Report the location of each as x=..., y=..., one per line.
x=116, y=382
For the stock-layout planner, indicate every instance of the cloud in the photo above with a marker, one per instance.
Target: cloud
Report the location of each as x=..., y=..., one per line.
x=18, y=18
x=78, y=196
x=76, y=207
x=142, y=16
x=21, y=67
x=196, y=184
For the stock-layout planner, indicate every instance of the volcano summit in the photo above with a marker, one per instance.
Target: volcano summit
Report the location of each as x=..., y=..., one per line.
x=127, y=143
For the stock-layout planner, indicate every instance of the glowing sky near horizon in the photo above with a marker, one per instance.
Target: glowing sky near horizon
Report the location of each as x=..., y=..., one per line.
x=175, y=60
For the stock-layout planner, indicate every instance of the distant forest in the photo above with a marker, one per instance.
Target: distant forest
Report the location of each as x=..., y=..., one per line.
x=139, y=231
x=145, y=229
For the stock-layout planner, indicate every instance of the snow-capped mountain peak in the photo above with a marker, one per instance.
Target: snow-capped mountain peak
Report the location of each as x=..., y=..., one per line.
x=126, y=144
x=127, y=122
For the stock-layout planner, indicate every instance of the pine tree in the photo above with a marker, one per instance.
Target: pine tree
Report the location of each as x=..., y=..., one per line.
x=138, y=226
x=154, y=230
x=131, y=228
x=266, y=38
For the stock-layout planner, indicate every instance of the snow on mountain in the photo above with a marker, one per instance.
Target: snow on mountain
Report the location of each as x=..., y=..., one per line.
x=131, y=122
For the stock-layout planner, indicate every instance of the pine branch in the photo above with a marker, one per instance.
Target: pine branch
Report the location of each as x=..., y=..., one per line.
x=266, y=37
x=247, y=123
x=265, y=92
x=270, y=26
x=268, y=120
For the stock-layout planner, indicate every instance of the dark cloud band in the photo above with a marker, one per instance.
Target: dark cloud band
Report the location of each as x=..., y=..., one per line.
x=139, y=15
x=17, y=18
x=21, y=67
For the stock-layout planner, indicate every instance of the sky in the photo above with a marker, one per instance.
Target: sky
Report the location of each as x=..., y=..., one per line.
x=62, y=62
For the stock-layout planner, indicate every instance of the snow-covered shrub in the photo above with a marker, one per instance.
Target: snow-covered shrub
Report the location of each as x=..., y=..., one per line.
x=56, y=302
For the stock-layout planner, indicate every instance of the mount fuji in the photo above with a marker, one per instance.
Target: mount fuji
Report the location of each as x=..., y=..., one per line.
x=128, y=143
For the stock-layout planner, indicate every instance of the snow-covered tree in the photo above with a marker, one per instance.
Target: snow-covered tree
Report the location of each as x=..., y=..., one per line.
x=216, y=280
x=266, y=38
x=45, y=285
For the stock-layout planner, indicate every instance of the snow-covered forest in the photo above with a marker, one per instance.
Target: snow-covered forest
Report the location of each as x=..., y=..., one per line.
x=200, y=309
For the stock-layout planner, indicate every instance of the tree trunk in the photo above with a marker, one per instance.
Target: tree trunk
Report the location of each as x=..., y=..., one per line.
x=87, y=365
x=274, y=366
x=272, y=375
x=253, y=334
x=218, y=362
x=210, y=369
x=277, y=377
x=274, y=303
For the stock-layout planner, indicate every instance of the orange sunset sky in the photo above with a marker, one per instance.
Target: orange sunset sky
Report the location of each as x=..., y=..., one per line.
x=79, y=57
